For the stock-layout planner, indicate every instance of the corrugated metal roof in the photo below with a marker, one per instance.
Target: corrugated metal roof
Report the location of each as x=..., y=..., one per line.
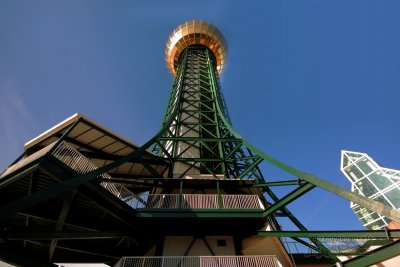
x=84, y=126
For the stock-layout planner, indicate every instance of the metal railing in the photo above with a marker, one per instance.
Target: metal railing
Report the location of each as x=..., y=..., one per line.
x=195, y=201
x=79, y=163
x=202, y=261
x=242, y=202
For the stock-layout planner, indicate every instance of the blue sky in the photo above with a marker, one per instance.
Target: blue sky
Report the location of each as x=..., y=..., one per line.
x=304, y=80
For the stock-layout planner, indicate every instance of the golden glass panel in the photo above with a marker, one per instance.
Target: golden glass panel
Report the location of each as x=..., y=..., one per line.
x=195, y=32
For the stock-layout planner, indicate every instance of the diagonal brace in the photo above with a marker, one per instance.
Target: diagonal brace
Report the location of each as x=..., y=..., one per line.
x=298, y=192
x=38, y=197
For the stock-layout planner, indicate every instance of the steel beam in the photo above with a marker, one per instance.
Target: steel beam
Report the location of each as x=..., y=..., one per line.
x=198, y=139
x=309, y=245
x=286, y=211
x=370, y=204
x=81, y=248
x=75, y=225
x=375, y=256
x=38, y=197
x=251, y=167
x=330, y=187
x=298, y=192
x=65, y=235
x=280, y=183
x=296, y=222
x=358, y=234
x=61, y=220
x=198, y=213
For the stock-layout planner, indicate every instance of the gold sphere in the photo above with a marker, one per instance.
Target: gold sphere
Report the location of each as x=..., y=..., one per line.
x=191, y=33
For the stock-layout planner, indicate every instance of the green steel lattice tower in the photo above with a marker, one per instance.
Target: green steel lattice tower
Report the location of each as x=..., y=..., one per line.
x=193, y=195
x=209, y=159
x=198, y=137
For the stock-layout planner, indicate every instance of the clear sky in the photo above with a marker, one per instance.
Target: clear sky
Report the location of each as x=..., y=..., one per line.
x=304, y=80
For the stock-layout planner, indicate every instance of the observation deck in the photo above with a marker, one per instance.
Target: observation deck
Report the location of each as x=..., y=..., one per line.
x=195, y=32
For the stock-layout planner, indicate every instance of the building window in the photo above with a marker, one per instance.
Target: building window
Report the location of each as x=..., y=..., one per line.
x=381, y=181
x=366, y=187
x=394, y=197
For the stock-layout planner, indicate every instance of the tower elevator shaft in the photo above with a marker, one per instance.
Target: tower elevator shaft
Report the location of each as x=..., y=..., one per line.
x=198, y=138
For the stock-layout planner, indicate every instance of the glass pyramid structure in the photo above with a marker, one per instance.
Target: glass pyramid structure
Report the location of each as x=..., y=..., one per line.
x=371, y=180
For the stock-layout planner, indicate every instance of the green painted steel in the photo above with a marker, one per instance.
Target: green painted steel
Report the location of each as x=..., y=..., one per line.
x=376, y=256
x=298, y=192
x=280, y=183
x=199, y=213
x=196, y=94
x=362, y=234
x=197, y=136
x=66, y=235
x=248, y=168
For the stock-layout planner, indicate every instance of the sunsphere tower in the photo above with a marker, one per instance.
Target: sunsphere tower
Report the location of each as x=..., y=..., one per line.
x=210, y=184
x=193, y=195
